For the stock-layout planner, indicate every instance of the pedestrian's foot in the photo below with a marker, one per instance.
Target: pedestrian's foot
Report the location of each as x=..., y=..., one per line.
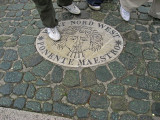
x=72, y=9
x=94, y=7
x=53, y=33
x=125, y=14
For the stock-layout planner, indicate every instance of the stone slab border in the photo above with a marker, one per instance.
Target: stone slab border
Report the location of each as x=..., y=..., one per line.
x=12, y=114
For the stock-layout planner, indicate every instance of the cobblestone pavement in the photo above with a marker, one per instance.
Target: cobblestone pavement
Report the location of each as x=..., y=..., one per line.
x=127, y=88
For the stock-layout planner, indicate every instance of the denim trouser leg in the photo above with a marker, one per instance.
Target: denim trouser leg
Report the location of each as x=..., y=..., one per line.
x=95, y=2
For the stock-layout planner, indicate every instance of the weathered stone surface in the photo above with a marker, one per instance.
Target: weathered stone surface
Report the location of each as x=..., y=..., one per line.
x=78, y=96
x=5, y=65
x=117, y=69
x=156, y=96
x=128, y=117
x=112, y=20
x=33, y=106
x=143, y=9
x=145, y=117
x=15, y=7
x=99, y=115
x=131, y=36
x=24, y=40
x=155, y=37
x=114, y=116
x=59, y=92
x=71, y=78
x=32, y=60
x=156, y=108
x=124, y=27
x=103, y=74
x=144, y=17
x=57, y=74
x=6, y=101
x=29, y=6
x=13, y=77
x=9, y=30
x=47, y=107
x=41, y=82
x=98, y=16
x=141, y=28
x=130, y=80
x=134, y=48
x=17, y=65
x=43, y=68
x=10, y=44
x=6, y=89
x=141, y=68
x=88, y=77
x=119, y=104
x=19, y=103
x=84, y=14
x=82, y=112
x=99, y=88
x=26, y=51
x=152, y=28
x=149, y=54
x=43, y=94
x=10, y=55
x=61, y=108
x=157, y=46
x=67, y=16
x=99, y=101
x=139, y=106
x=30, y=30
x=29, y=77
x=30, y=91
x=83, y=5
x=149, y=83
x=137, y=94
x=153, y=69
x=128, y=60
x=145, y=36
x=20, y=89
x=115, y=89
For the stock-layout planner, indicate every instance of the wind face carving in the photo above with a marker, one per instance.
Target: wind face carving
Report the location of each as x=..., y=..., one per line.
x=83, y=43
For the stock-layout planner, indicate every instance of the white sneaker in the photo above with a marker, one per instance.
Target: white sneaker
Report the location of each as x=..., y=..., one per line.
x=73, y=9
x=125, y=14
x=95, y=7
x=53, y=33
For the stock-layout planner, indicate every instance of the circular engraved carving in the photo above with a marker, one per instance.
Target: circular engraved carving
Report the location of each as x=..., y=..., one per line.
x=83, y=43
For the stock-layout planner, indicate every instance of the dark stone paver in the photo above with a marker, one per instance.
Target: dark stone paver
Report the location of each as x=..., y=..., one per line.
x=61, y=108
x=19, y=103
x=156, y=108
x=114, y=116
x=149, y=55
x=20, y=89
x=78, y=96
x=88, y=77
x=47, y=107
x=119, y=104
x=100, y=88
x=156, y=96
x=28, y=77
x=57, y=74
x=17, y=65
x=99, y=101
x=43, y=94
x=131, y=36
x=139, y=106
x=82, y=112
x=128, y=117
x=6, y=101
x=13, y=77
x=6, y=89
x=99, y=115
x=154, y=69
x=103, y=74
x=71, y=78
x=130, y=80
x=115, y=90
x=5, y=65
x=10, y=55
x=141, y=68
x=33, y=106
x=24, y=40
x=30, y=91
x=144, y=117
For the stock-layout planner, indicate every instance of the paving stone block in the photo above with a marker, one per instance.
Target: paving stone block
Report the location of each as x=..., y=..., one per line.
x=71, y=78
x=145, y=36
x=130, y=80
x=112, y=20
x=18, y=65
x=30, y=91
x=156, y=108
x=99, y=88
x=145, y=117
x=28, y=77
x=149, y=54
x=57, y=74
x=115, y=89
x=20, y=89
x=124, y=27
x=131, y=36
x=156, y=96
x=6, y=101
x=47, y=107
x=128, y=117
x=5, y=65
x=10, y=55
x=13, y=77
x=33, y=106
x=99, y=115
x=19, y=103
x=6, y=89
x=64, y=109
x=82, y=112
x=139, y=106
x=153, y=69
x=78, y=96
x=114, y=116
x=24, y=40
x=141, y=68
x=59, y=92
x=119, y=104
x=103, y=74
x=99, y=101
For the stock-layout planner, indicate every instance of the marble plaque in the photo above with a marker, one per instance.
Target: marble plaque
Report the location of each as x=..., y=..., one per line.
x=83, y=43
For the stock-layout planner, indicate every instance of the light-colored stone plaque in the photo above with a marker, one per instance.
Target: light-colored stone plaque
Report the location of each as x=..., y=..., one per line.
x=83, y=43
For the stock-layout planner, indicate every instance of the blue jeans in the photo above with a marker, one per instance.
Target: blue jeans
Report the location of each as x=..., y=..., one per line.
x=95, y=2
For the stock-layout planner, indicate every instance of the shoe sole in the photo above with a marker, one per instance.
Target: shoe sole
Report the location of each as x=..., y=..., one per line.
x=93, y=7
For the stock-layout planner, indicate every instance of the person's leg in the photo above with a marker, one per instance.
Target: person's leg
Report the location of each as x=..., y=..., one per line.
x=67, y=4
x=155, y=9
x=95, y=4
x=47, y=15
x=129, y=5
x=46, y=12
